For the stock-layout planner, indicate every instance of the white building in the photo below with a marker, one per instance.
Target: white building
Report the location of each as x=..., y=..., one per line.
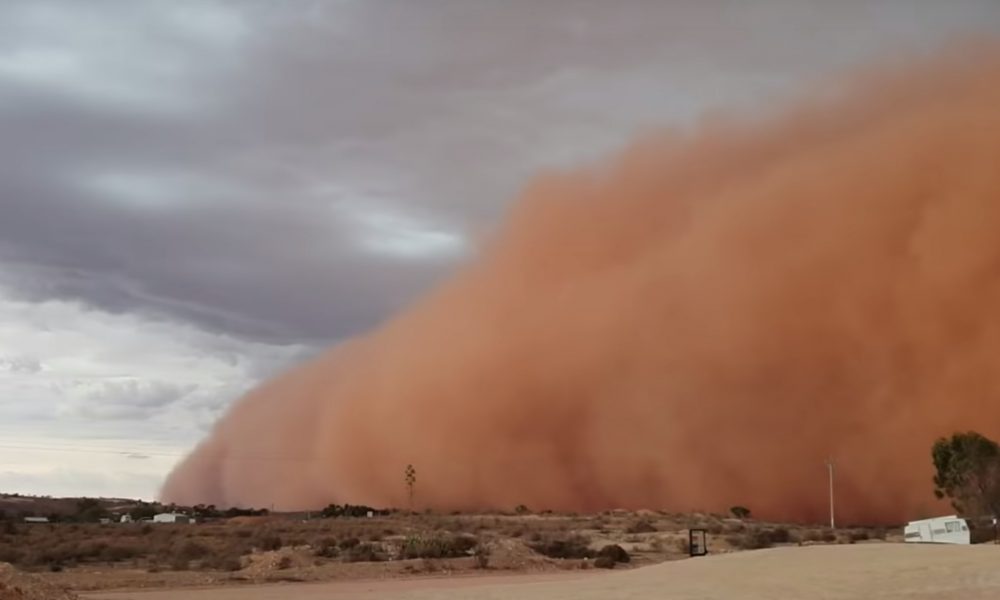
x=939, y=530
x=171, y=518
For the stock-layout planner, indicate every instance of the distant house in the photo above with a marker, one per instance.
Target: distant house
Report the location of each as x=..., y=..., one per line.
x=36, y=519
x=171, y=518
x=126, y=518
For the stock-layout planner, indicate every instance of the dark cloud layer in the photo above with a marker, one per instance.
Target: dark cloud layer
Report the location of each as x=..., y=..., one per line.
x=294, y=175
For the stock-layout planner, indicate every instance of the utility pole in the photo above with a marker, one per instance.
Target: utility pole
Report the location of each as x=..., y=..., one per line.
x=410, y=477
x=829, y=466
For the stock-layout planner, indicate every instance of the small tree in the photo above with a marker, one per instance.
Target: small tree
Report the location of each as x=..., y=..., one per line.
x=740, y=512
x=410, y=477
x=143, y=511
x=90, y=510
x=967, y=469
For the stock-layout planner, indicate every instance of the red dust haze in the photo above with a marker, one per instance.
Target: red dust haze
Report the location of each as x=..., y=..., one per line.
x=696, y=323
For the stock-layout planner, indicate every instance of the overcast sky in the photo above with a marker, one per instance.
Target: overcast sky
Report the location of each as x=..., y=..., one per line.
x=196, y=194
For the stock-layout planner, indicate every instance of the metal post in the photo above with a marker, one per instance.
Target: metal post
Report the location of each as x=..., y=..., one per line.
x=829, y=466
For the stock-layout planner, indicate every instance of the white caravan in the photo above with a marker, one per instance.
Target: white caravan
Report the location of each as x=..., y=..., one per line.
x=939, y=530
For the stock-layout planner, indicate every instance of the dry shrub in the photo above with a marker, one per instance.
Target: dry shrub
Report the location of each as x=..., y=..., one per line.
x=348, y=543
x=225, y=561
x=731, y=528
x=118, y=553
x=482, y=556
x=191, y=550
x=366, y=552
x=574, y=546
x=859, y=536
x=268, y=542
x=615, y=553
x=429, y=565
x=851, y=537
x=820, y=535
x=10, y=555
x=605, y=562
x=326, y=548
x=684, y=545
x=755, y=539
x=437, y=546
x=780, y=535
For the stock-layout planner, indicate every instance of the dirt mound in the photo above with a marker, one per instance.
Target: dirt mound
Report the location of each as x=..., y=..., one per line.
x=515, y=554
x=267, y=565
x=15, y=585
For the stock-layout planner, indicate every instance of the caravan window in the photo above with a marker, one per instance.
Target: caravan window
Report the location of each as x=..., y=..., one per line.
x=953, y=526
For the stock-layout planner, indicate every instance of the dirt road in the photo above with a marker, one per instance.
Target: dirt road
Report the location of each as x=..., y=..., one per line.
x=862, y=571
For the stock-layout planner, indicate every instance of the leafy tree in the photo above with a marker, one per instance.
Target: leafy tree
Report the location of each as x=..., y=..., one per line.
x=90, y=510
x=967, y=469
x=205, y=511
x=740, y=512
x=350, y=510
x=144, y=511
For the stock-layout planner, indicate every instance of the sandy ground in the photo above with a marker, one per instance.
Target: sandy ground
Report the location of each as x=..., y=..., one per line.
x=861, y=571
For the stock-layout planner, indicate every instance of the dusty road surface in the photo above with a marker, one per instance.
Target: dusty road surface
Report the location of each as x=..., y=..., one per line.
x=862, y=571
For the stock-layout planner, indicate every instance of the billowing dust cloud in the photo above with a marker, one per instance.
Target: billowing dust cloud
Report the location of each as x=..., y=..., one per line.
x=696, y=323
